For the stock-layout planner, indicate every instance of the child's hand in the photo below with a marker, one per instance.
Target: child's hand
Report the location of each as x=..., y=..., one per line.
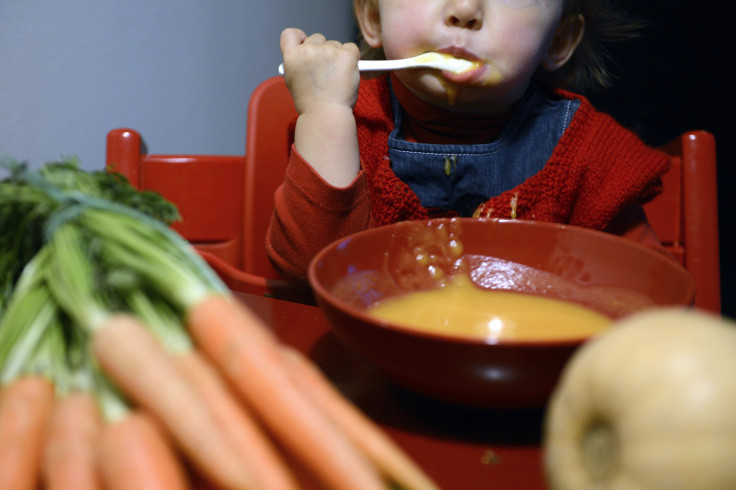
x=319, y=72
x=323, y=78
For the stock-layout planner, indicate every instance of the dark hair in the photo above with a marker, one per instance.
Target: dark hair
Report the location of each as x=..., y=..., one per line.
x=605, y=23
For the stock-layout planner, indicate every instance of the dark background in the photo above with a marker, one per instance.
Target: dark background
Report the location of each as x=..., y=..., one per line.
x=673, y=79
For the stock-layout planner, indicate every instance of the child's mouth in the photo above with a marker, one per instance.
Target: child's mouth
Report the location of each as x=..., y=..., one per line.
x=474, y=73
x=481, y=75
x=478, y=71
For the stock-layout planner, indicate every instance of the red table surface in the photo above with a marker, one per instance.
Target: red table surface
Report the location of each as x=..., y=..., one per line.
x=461, y=448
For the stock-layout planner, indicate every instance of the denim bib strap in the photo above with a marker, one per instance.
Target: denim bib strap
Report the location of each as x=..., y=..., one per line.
x=461, y=177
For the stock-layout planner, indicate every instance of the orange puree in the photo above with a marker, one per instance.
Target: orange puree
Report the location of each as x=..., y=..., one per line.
x=464, y=309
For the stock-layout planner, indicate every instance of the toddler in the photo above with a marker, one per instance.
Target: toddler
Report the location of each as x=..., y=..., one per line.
x=507, y=139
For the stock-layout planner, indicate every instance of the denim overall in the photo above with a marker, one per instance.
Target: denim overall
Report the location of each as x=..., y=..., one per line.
x=461, y=177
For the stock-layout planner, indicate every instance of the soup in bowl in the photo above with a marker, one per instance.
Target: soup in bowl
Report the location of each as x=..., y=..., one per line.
x=481, y=311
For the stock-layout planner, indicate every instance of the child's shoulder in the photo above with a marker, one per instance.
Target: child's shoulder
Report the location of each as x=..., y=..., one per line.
x=560, y=93
x=590, y=118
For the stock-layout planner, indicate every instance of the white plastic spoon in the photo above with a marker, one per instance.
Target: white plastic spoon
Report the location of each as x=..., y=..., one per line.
x=437, y=61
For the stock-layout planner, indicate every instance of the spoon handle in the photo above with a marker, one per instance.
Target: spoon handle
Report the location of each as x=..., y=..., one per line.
x=377, y=65
x=384, y=65
x=426, y=60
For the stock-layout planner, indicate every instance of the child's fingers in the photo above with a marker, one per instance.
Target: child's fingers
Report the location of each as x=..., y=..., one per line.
x=316, y=38
x=352, y=47
x=291, y=37
x=320, y=73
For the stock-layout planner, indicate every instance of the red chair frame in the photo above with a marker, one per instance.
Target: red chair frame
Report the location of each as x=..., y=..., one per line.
x=685, y=215
x=226, y=201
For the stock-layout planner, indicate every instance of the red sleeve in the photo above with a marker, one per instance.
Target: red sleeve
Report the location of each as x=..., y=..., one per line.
x=309, y=214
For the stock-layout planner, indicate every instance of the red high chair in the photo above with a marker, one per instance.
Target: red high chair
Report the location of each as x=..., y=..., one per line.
x=226, y=201
x=685, y=215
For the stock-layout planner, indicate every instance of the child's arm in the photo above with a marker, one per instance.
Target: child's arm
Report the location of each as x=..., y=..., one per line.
x=308, y=215
x=323, y=79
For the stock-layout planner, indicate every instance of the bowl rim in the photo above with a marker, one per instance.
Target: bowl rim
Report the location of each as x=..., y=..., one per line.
x=322, y=294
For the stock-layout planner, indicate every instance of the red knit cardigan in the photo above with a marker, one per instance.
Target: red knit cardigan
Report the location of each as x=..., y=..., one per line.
x=597, y=169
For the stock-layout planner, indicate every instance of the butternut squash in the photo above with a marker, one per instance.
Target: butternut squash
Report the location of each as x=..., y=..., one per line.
x=651, y=404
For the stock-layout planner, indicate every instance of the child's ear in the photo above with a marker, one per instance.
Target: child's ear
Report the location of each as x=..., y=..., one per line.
x=369, y=20
x=567, y=37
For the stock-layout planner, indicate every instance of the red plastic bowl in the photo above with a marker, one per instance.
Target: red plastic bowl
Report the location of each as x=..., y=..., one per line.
x=476, y=372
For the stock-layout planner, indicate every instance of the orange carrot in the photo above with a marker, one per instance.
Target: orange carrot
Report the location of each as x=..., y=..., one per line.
x=138, y=364
x=69, y=454
x=370, y=438
x=258, y=452
x=134, y=454
x=24, y=408
x=239, y=344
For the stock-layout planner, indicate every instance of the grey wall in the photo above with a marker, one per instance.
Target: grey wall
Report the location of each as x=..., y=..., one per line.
x=178, y=71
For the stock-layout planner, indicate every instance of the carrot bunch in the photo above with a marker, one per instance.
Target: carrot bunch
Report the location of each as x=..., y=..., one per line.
x=126, y=363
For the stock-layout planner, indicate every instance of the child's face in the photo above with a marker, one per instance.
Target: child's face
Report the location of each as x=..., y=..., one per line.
x=511, y=37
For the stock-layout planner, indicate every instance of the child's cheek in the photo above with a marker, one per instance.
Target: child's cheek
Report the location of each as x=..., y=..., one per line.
x=404, y=43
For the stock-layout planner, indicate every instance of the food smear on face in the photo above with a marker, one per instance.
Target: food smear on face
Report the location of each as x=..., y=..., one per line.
x=450, y=89
x=463, y=309
x=459, y=67
x=454, y=65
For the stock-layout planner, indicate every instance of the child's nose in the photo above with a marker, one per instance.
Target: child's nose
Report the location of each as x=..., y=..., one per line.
x=466, y=14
